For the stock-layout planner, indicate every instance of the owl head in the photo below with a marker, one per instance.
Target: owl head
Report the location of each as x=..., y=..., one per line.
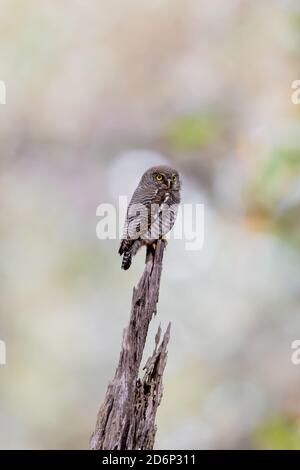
x=163, y=177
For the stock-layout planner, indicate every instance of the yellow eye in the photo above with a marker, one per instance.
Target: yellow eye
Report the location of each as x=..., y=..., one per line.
x=159, y=177
x=174, y=177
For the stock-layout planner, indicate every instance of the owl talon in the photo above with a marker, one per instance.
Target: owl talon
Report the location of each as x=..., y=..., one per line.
x=164, y=240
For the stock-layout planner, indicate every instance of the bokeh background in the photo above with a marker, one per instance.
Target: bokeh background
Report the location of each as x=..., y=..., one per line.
x=97, y=92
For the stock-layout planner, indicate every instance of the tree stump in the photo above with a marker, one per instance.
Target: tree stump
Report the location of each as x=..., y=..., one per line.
x=126, y=419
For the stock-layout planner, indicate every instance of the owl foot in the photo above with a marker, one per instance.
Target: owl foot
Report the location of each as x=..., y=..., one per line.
x=164, y=240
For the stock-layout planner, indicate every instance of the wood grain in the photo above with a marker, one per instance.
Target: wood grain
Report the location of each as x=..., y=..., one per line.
x=126, y=419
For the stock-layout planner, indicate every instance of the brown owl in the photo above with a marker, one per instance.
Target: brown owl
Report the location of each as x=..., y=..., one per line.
x=152, y=211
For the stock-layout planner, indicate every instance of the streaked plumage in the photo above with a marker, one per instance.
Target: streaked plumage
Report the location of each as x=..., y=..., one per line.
x=152, y=211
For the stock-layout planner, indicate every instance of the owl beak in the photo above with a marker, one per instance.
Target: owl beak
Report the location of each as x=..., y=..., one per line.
x=168, y=184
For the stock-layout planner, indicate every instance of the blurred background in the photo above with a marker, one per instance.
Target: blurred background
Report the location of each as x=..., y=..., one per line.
x=97, y=92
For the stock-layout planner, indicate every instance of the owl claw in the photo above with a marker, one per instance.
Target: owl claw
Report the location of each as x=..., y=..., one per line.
x=164, y=240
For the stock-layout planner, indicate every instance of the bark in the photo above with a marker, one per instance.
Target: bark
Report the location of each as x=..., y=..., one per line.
x=126, y=419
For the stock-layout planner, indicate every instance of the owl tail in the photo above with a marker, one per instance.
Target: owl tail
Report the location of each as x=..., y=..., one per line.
x=126, y=251
x=127, y=259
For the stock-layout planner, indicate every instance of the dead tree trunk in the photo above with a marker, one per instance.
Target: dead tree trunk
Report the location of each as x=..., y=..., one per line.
x=126, y=419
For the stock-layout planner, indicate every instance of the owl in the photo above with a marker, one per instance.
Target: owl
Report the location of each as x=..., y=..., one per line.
x=152, y=211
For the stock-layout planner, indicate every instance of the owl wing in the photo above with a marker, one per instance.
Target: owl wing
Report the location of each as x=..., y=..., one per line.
x=141, y=210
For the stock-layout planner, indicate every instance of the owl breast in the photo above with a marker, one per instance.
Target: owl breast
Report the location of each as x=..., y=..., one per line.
x=162, y=220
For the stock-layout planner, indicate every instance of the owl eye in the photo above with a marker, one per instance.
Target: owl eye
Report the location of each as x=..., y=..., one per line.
x=174, y=177
x=159, y=177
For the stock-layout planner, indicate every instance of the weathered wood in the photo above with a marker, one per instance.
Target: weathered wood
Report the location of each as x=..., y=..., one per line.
x=126, y=419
